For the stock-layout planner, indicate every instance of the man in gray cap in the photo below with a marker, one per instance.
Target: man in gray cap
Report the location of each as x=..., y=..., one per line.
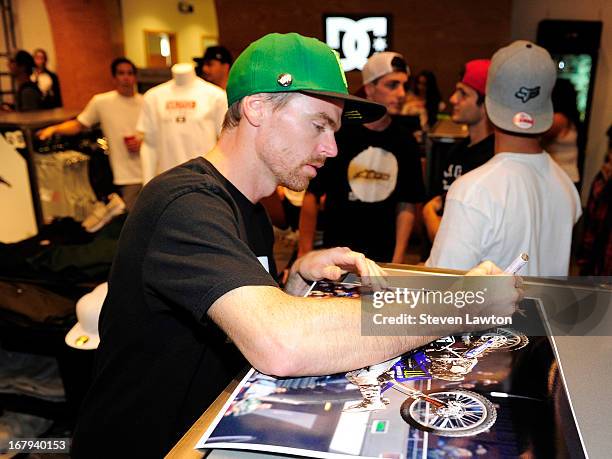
x=520, y=200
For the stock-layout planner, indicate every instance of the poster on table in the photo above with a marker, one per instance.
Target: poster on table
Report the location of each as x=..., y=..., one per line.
x=496, y=393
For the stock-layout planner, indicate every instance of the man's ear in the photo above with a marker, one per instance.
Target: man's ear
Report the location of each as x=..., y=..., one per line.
x=254, y=109
x=369, y=89
x=483, y=110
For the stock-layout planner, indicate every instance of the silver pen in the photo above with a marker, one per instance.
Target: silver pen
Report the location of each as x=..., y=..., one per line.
x=514, y=268
x=517, y=264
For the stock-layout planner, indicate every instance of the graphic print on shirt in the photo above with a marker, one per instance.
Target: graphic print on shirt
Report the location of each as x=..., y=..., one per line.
x=372, y=175
x=452, y=172
x=179, y=110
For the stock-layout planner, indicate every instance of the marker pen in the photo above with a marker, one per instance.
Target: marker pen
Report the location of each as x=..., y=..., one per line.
x=517, y=264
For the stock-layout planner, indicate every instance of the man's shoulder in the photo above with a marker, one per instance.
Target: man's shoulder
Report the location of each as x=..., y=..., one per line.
x=488, y=143
x=474, y=182
x=195, y=175
x=459, y=148
x=103, y=98
x=471, y=156
x=484, y=148
x=187, y=189
x=108, y=95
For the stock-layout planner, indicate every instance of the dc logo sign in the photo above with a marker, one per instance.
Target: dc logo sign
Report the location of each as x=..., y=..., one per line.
x=356, y=38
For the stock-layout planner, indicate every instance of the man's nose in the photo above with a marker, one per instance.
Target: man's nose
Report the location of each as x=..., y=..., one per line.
x=401, y=91
x=329, y=146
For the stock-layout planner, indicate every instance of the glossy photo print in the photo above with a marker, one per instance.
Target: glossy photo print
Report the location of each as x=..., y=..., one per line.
x=495, y=393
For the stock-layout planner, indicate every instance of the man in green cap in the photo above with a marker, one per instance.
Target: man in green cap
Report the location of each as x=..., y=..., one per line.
x=195, y=267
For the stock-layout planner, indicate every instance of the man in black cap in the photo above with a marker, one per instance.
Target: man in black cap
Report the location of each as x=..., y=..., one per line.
x=215, y=65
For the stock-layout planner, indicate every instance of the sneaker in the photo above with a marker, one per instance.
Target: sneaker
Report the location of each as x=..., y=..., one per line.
x=102, y=214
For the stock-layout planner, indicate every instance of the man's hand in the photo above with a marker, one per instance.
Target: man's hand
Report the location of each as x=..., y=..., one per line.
x=431, y=218
x=503, y=291
x=486, y=268
x=333, y=263
x=46, y=133
x=133, y=143
x=70, y=127
x=434, y=204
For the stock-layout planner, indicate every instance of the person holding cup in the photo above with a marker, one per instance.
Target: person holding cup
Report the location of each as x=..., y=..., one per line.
x=117, y=112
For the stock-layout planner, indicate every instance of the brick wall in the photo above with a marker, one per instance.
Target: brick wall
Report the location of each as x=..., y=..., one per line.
x=87, y=37
x=436, y=35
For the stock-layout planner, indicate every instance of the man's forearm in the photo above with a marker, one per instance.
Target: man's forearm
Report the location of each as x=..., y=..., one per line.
x=403, y=228
x=292, y=336
x=70, y=127
x=284, y=335
x=432, y=221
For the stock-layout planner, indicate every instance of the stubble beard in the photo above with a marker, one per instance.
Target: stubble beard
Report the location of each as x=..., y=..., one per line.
x=285, y=175
x=466, y=116
x=294, y=180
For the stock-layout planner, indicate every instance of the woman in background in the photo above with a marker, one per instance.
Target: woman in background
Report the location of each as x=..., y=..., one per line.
x=561, y=141
x=46, y=80
x=425, y=100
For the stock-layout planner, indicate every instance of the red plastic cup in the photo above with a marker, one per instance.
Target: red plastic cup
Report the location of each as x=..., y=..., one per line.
x=127, y=140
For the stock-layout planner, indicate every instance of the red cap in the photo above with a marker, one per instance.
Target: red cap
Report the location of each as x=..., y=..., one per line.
x=476, y=75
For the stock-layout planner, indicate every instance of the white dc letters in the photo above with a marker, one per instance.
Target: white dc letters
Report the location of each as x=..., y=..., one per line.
x=356, y=45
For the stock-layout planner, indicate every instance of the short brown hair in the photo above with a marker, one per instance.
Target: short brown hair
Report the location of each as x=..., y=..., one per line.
x=233, y=114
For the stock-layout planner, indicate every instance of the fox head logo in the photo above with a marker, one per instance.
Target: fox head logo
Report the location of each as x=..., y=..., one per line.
x=526, y=94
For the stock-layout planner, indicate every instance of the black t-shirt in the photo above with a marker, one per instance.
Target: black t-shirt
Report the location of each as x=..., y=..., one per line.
x=191, y=237
x=373, y=172
x=28, y=97
x=462, y=158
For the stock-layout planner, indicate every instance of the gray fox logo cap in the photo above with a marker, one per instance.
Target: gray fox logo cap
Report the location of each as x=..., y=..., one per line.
x=519, y=86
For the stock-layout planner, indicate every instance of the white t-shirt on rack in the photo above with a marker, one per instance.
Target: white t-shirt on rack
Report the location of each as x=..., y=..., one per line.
x=514, y=203
x=179, y=123
x=117, y=116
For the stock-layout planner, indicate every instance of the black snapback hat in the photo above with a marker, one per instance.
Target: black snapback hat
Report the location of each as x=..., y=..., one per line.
x=219, y=53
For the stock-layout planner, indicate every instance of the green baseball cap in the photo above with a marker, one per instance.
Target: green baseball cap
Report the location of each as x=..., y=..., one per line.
x=294, y=63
